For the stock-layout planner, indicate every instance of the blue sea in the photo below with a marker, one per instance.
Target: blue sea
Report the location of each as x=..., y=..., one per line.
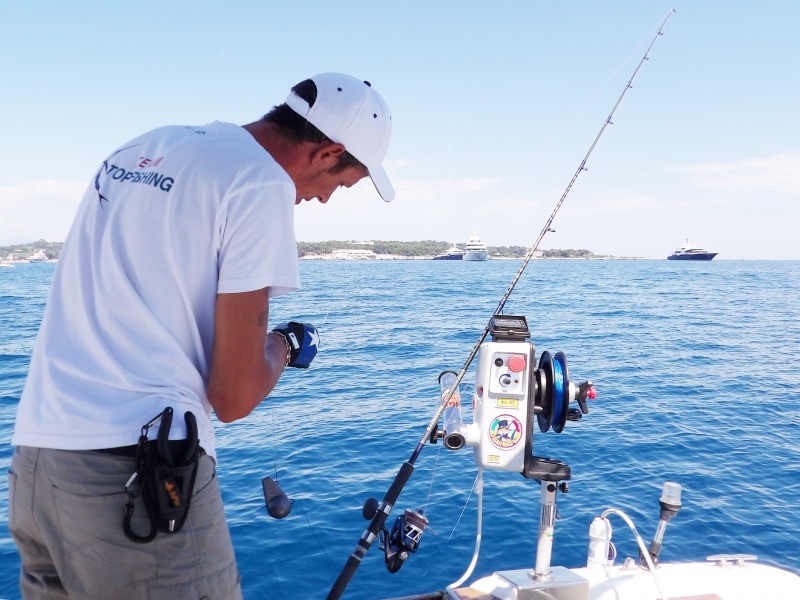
x=696, y=368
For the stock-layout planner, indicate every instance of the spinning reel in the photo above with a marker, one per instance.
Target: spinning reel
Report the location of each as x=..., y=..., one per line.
x=404, y=537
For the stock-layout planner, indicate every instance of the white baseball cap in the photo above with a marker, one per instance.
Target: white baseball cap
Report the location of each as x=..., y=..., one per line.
x=350, y=112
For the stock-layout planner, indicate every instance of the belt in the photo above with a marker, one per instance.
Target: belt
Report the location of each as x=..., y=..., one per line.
x=175, y=446
x=119, y=451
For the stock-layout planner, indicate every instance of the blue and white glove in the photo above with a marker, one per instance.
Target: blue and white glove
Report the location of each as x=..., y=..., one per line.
x=302, y=341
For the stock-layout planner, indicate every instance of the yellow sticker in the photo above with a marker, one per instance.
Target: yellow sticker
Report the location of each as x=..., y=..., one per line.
x=493, y=458
x=508, y=402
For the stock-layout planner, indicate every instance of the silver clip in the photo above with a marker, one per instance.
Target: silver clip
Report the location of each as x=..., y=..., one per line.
x=131, y=480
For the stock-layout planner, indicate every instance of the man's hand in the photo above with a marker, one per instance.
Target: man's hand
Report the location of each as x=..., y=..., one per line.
x=302, y=341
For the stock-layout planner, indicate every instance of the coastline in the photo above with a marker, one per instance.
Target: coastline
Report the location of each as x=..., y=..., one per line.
x=400, y=257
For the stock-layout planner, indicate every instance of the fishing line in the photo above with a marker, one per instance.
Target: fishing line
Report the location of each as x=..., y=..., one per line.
x=463, y=510
x=321, y=547
x=559, y=400
x=591, y=99
x=274, y=446
x=433, y=477
x=512, y=305
x=478, y=536
x=384, y=508
x=341, y=307
x=326, y=318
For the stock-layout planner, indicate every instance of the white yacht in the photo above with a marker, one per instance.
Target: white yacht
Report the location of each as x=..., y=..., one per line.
x=475, y=249
x=689, y=251
x=38, y=256
x=453, y=253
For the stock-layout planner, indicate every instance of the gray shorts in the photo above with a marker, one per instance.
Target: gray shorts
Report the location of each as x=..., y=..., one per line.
x=65, y=514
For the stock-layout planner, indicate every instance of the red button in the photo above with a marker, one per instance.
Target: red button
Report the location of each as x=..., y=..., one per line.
x=516, y=363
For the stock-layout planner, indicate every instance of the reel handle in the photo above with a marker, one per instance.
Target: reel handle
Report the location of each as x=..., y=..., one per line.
x=585, y=390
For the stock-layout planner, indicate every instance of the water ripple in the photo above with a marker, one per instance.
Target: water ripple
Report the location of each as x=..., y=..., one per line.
x=695, y=364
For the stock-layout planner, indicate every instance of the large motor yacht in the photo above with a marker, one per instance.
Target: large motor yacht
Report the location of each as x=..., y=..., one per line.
x=689, y=251
x=475, y=249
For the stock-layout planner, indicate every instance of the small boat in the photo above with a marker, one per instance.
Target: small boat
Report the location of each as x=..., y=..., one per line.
x=7, y=262
x=689, y=251
x=475, y=249
x=38, y=256
x=453, y=253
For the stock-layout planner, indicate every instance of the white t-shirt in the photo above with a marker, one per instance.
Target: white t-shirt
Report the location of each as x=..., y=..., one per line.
x=173, y=218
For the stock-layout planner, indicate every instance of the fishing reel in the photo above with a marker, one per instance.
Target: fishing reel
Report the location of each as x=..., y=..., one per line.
x=404, y=537
x=509, y=389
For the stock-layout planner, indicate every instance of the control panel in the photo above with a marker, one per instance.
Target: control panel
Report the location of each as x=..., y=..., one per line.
x=500, y=404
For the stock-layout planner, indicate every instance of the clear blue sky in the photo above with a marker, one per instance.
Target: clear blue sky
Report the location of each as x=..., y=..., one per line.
x=494, y=105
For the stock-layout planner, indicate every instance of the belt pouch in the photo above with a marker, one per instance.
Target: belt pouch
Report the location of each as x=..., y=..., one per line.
x=170, y=476
x=166, y=473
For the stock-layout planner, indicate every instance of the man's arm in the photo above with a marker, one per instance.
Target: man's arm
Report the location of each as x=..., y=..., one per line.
x=247, y=362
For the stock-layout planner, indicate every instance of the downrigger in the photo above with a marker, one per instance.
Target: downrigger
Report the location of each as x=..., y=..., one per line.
x=509, y=390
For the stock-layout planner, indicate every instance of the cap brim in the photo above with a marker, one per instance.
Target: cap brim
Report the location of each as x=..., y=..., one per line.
x=381, y=182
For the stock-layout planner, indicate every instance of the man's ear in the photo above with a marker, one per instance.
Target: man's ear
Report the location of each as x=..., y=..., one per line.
x=327, y=154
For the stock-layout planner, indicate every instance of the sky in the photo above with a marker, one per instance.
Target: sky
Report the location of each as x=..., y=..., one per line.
x=494, y=105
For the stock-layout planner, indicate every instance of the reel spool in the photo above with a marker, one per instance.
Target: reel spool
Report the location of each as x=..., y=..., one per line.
x=552, y=392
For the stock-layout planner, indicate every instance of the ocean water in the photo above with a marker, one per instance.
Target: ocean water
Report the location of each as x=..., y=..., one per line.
x=696, y=368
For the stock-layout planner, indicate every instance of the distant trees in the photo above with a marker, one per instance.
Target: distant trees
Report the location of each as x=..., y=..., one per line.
x=567, y=254
x=23, y=251
x=427, y=248
x=410, y=249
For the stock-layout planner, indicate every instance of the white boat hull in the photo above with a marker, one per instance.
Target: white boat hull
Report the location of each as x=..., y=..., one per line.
x=686, y=581
x=480, y=255
x=475, y=249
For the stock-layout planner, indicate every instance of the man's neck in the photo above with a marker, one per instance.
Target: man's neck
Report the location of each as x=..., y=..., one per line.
x=290, y=155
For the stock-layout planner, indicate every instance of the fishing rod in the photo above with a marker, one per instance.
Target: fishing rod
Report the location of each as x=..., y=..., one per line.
x=376, y=512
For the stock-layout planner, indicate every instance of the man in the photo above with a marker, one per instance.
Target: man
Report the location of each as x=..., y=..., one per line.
x=159, y=305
